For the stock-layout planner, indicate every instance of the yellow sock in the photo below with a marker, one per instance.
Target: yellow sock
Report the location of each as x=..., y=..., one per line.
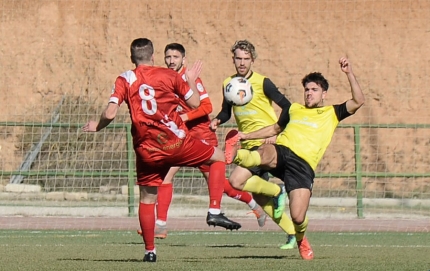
x=300, y=229
x=257, y=185
x=284, y=222
x=246, y=158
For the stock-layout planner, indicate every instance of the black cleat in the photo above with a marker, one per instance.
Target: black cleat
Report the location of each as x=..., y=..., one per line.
x=150, y=257
x=222, y=221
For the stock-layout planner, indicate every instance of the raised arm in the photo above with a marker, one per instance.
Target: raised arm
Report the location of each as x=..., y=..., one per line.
x=204, y=109
x=357, y=94
x=192, y=75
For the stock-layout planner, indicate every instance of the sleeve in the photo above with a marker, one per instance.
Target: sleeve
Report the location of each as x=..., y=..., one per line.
x=202, y=90
x=204, y=109
x=118, y=91
x=272, y=92
x=182, y=89
x=225, y=114
x=341, y=111
x=284, y=117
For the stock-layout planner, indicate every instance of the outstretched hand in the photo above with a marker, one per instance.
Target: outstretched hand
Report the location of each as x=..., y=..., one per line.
x=90, y=126
x=214, y=124
x=242, y=136
x=194, y=72
x=345, y=66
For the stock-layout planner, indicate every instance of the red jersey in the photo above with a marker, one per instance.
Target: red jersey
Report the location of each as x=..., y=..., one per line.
x=153, y=95
x=199, y=127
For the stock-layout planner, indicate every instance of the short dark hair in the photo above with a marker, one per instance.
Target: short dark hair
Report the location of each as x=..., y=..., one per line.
x=141, y=50
x=317, y=78
x=175, y=46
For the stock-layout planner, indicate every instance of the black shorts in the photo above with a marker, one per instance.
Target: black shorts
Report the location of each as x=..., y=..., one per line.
x=264, y=174
x=292, y=170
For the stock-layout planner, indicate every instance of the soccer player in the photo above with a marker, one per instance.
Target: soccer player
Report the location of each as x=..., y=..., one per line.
x=197, y=121
x=257, y=114
x=160, y=137
x=304, y=133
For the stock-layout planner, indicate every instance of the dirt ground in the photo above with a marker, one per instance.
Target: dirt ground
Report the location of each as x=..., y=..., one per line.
x=77, y=48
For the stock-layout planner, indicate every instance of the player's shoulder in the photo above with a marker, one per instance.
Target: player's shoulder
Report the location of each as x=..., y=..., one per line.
x=228, y=79
x=164, y=70
x=129, y=76
x=164, y=74
x=256, y=77
x=295, y=106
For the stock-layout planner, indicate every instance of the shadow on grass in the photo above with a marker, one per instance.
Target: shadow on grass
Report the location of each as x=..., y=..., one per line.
x=185, y=259
x=186, y=245
x=231, y=246
x=105, y=260
x=262, y=257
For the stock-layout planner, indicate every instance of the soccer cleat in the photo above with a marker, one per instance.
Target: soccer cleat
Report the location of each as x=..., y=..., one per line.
x=291, y=242
x=222, y=221
x=231, y=146
x=150, y=257
x=160, y=232
x=279, y=203
x=305, y=249
x=260, y=215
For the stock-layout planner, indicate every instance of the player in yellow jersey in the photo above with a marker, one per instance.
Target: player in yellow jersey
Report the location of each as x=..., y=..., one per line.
x=255, y=115
x=304, y=133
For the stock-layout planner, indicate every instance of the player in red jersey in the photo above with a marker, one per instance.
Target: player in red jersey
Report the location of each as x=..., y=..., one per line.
x=160, y=137
x=198, y=121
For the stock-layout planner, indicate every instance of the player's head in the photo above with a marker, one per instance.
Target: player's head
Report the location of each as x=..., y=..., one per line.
x=244, y=55
x=142, y=51
x=174, y=56
x=315, y=89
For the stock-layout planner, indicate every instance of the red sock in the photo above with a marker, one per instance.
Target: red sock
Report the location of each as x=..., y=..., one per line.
x=165, y=193
x=147, y=224
x=215, y=184
x=236, y=194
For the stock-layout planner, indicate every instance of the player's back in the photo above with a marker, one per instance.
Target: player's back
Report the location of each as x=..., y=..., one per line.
x=152, y=96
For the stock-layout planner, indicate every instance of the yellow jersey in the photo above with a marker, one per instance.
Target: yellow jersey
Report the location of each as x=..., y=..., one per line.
x=309, y=131
x=257, y=114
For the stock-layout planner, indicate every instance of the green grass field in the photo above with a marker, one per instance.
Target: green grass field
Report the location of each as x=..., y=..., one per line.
x=123, y=250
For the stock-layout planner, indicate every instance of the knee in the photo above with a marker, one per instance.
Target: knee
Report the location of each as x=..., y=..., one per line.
x=235, y=182
x=298, y=219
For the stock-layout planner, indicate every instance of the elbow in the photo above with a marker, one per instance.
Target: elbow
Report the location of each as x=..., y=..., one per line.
x=109, y=115
x=363, y=101
x=110, y=112
x=276, y=129
x=194, y=105
x=360, y=102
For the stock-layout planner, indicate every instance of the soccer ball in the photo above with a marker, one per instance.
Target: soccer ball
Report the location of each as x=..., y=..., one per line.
x=238, y=91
